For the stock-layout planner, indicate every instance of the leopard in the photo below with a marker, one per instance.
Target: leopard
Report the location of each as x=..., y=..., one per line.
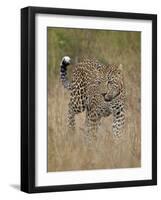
x=96, y=89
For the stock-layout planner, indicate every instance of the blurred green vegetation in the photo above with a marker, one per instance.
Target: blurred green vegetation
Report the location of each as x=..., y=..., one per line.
x=106, y=46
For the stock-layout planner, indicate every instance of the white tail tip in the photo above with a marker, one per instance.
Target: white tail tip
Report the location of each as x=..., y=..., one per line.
x=66, y=60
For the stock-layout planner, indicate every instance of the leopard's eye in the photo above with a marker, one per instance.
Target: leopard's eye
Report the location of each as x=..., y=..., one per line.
x=109, y=81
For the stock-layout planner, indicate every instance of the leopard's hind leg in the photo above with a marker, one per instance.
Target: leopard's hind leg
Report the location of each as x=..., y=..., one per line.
x=71, y=116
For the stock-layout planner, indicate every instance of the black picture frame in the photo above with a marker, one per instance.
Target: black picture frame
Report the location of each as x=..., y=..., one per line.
x=28, y=98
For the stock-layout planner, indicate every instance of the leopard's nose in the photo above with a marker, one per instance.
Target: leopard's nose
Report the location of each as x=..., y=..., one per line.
x=106, y=97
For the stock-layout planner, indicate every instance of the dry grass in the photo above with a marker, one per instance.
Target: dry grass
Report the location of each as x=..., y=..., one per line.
x=68, y=151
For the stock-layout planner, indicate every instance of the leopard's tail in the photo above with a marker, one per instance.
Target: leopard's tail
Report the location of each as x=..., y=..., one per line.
x=63, y=71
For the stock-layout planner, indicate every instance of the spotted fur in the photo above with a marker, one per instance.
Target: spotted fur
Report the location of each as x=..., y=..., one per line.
x=96, y=89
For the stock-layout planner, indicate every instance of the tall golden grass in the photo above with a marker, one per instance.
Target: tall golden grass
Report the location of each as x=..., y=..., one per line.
x=68, y=151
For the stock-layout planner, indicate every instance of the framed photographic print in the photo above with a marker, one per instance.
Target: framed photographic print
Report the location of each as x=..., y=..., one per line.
x=88, y=99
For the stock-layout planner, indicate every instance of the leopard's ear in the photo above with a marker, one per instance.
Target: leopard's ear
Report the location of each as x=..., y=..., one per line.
x=120, y=67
